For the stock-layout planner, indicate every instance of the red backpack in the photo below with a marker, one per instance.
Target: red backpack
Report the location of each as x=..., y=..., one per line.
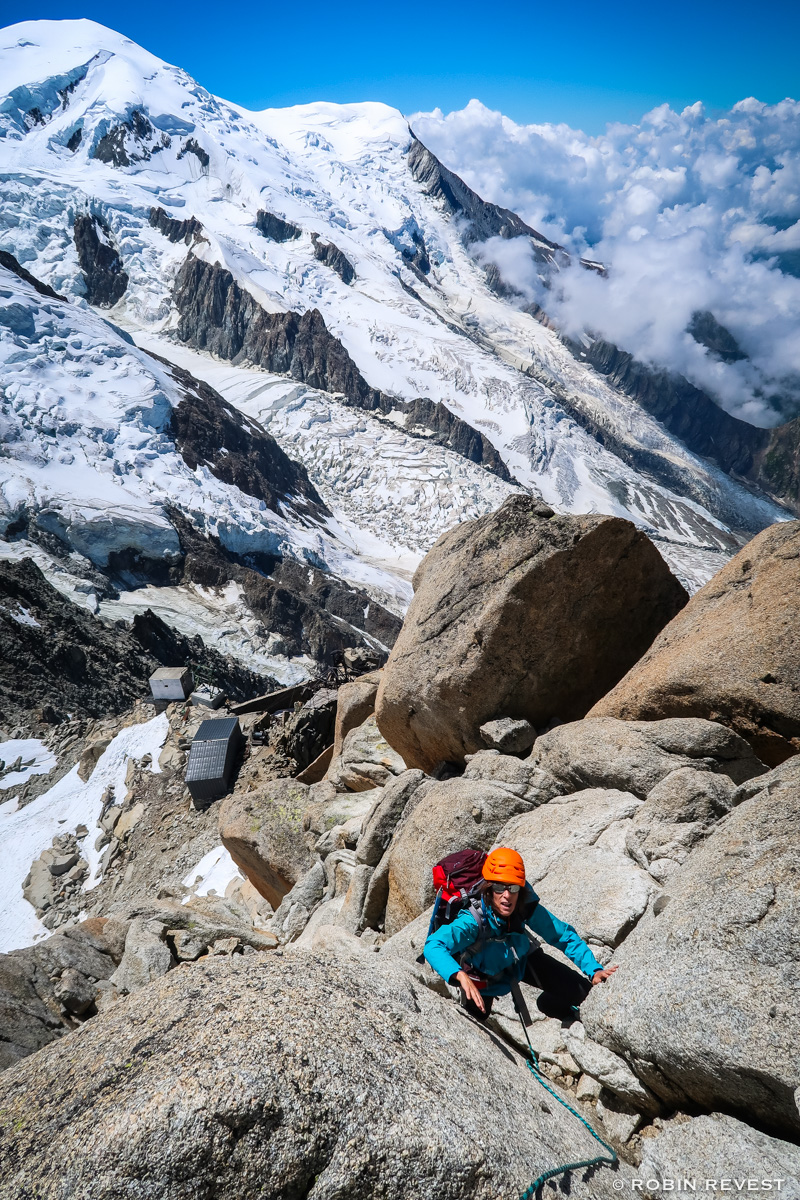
x=458, y=879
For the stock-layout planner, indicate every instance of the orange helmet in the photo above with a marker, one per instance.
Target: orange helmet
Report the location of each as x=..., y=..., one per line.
x=505, y=866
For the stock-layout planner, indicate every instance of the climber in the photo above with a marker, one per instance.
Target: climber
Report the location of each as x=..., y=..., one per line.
x=485, y=950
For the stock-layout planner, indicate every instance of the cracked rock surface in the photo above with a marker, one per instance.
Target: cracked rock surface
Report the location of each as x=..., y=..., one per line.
x=327, y=1095
x=704, y=1005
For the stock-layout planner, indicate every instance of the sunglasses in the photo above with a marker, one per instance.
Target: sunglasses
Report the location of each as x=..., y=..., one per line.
x=499, y=888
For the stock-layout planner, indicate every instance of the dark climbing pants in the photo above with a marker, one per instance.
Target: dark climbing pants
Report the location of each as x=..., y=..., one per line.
x=563, y=989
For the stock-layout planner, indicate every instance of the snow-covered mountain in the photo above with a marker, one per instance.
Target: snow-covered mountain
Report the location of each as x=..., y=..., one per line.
x=359, y=376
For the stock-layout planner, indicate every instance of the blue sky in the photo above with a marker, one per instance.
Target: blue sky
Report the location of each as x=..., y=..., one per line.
x=582, y=63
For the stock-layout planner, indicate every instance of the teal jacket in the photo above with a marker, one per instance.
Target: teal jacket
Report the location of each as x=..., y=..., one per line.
x=494, y=955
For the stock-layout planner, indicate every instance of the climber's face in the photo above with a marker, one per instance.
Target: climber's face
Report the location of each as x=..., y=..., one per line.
x=503, y=899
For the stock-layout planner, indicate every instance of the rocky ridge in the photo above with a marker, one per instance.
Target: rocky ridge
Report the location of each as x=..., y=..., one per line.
x=218, y=315
x=60, y=659
x=667, y=843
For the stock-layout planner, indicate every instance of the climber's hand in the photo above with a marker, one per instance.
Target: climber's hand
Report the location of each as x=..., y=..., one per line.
x=469, y=989
x=602, y=976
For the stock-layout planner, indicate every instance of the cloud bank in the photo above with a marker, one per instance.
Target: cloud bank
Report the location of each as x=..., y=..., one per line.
x=689, y=213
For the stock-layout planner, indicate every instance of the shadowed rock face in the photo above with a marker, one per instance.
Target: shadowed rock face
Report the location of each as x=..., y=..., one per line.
x=191, y=146
x=236, y=449
x=59, y=658
x=100, y=261
x=686, y=411
x=30, y=1010
x=113, y=148
x=732, y=655
x=333, y=257
x=218, y=315
x=280, y=1074
x=523, y=614
x=187, y=231
x=769, y=458
x=485, y=220
x=275, y=228
x=10, y=263
x=707, y=331
x=313, y=612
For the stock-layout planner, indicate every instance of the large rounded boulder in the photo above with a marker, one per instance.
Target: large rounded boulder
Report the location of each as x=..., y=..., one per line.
x=732, y=655
x=313, y=1074
x=525, y=614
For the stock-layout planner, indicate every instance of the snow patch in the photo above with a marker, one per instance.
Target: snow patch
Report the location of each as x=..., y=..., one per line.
x=212, y=874
x=36, y=760
x=26, y=832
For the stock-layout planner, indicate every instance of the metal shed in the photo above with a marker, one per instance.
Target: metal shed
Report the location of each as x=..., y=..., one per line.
x=171, y=683
x=212, y=758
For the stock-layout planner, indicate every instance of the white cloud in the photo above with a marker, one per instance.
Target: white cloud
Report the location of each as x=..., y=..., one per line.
x=688, y=212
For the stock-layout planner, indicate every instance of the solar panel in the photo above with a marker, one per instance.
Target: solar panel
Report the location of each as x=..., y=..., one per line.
x=212, y=758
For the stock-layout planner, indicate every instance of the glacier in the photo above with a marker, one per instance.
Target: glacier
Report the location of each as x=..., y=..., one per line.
x=96, y=130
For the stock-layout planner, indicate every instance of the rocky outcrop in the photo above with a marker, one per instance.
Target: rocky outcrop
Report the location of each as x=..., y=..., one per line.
x=192, y=146
x=308, y=609
x=733, y=654
x=276, y=228
x=54, y=883
x=675, y=818
x=330, y=1090
x=703, y=1006
x=60, y=659
x=511, y=737
x=100, y=261
x=717, y=1146
x=34, y=1008
x=485, y=220
x=134, y=140
x=273, y=831
x=355, y=701
x=218, y=315
x=707, y=331
x=266, y=833
x=366, y=760
x=188, y=231
x=209, y=431
x=779, y=465
x=424, y=417
x=332, y=256
x=684, y=409
x=574, y=852
x=10, y=263
x=52, y=988
x=769, y=458
x=521, y=614
x=637, y=755
x=305, y=733
x=316, y=613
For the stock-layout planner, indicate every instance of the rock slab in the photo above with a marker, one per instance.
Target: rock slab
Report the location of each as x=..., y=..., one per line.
x=328, y=1094
x=704, y=1004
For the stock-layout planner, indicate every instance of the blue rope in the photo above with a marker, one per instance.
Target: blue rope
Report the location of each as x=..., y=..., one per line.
x=600, y=1159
